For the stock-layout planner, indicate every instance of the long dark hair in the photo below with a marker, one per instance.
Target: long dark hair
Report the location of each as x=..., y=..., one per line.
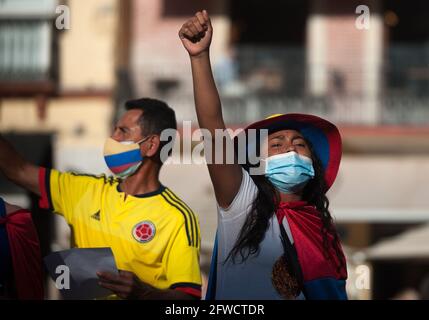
x=265, y=205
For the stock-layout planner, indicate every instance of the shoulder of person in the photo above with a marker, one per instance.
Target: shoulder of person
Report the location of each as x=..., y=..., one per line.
x=101, y=176
x=183, y=213
x=91, y=178
x=244, y=198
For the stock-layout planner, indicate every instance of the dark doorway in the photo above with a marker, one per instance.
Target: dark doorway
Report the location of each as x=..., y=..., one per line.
x=391, y=278
x=36, y=148
x=270, y=40
x=407, y=37
x=270, y=22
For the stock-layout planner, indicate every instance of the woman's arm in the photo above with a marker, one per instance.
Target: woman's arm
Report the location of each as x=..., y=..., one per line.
x=196, y=35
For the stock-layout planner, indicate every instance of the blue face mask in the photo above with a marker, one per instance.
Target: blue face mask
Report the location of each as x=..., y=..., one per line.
x=289, y=172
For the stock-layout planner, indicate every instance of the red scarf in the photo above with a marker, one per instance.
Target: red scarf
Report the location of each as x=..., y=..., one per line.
x=306, y=224
x=26, y=256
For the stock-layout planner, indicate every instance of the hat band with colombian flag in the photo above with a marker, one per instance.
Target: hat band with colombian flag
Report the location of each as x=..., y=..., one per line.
x=120, y=157
x=323, y=136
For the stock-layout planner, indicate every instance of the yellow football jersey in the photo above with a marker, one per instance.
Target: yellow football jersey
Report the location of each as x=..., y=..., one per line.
x=156, y=235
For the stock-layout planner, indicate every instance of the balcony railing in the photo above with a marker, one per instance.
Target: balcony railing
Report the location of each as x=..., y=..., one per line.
x=257, y=82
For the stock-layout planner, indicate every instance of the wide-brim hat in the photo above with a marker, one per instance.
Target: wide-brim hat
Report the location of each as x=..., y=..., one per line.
x=323, y=135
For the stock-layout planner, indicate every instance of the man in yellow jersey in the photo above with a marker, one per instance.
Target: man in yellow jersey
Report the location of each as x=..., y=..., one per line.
x=154, y=236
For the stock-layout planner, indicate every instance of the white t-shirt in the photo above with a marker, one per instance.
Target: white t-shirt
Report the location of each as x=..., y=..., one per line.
x=252, y=278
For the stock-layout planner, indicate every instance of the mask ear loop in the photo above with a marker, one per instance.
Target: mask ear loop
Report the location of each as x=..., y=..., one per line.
x=143, y=140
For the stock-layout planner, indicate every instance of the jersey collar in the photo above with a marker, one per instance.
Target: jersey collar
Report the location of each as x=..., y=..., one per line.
x=144, y=195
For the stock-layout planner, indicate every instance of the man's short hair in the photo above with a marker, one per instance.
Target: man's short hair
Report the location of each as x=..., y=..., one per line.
x=157, y=116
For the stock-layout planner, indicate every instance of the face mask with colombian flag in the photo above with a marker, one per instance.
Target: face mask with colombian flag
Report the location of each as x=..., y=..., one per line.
x=123, y=158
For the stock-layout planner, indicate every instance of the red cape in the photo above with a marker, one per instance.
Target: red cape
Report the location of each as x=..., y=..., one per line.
x=26, y=256
x=305, y=224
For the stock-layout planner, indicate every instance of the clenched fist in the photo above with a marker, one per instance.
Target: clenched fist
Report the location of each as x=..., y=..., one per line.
x=196, y=34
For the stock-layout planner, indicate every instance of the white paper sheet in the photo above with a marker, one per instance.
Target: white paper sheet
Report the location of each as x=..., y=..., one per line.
x=82, y=264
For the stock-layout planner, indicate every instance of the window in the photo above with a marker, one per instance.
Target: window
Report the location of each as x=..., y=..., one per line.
x=27, y=42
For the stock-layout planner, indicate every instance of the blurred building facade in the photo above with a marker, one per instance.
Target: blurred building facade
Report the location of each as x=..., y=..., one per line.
x=59, y=81
x=57, y=89
x=309, y=56
x=271, y=57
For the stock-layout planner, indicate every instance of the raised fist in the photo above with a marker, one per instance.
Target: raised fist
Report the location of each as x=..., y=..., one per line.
x=196, y=33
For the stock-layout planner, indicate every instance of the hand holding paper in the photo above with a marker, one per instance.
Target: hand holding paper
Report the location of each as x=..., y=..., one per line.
x=125, y=284
x=75, y=272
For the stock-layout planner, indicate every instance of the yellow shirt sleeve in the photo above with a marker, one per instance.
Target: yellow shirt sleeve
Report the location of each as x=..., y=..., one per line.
x=183, y=265
x=67, y=193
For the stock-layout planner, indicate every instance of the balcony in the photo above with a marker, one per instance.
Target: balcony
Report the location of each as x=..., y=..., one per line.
x=259, y=82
